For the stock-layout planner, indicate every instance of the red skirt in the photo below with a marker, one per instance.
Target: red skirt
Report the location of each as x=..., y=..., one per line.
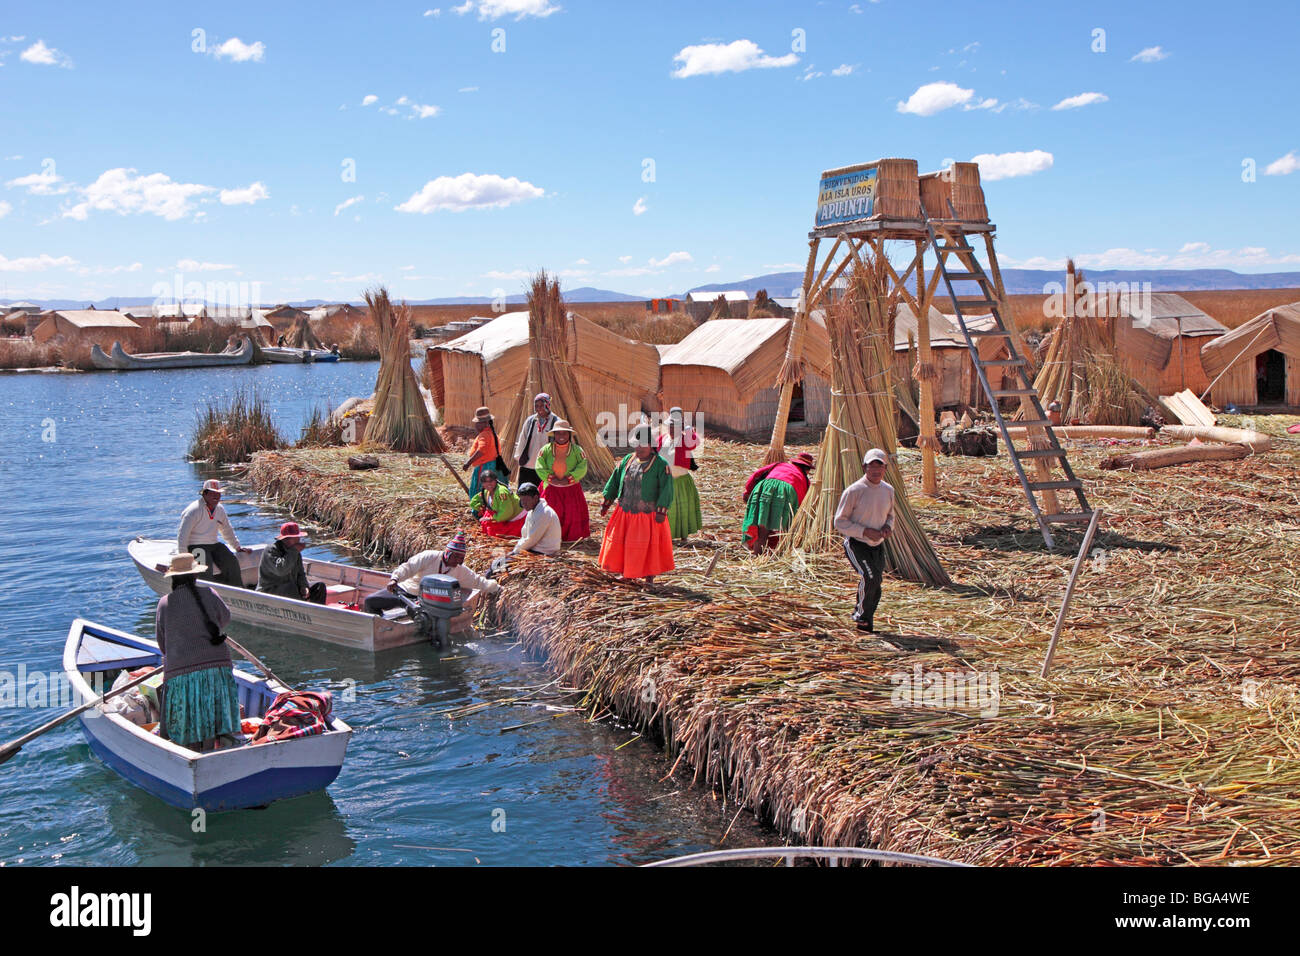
x=570, y=505
x=636, y=545
x=503, y=529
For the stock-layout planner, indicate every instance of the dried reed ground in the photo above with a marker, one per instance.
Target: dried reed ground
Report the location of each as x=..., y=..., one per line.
x=1167, y=732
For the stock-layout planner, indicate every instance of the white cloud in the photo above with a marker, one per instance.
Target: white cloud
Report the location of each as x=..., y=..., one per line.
x=470, y=191
x=237, y=51
x=246, y=196
x=934, y=98
x=1151, y=54
x=810, y=74
x=349, y=202
x=734, y=57
x=639, y=206
x=625, y=259
x=581, y=262
x=670, y=260
x=1083, y=99
x=1192, y=255
x=495, y=9
x=1195, y=247
x=514, y=274
x=844, y=69
x=1008, y=165
x=435, y=12
x=986, y=104
x=1283, y=165
x=424, y=112
x=5, y=209
x=714, y=268
x=45, y=183
x=42, y=55
x=369, y=99
x=35, y=263
x=468, y=89
x=194, y=265
x=121, y=191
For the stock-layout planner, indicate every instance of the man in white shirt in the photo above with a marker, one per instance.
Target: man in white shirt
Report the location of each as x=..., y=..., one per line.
x=201, y=523
x=541, y=533
x=533, y=437
x=450, y=560
x=865, y=517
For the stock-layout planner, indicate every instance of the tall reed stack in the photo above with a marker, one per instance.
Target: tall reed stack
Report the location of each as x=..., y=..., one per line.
x=863, y=402
x=549, y=371
x=400, y=418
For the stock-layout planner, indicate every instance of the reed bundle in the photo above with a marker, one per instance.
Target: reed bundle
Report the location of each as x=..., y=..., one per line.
x=301, y=336
x=1082, y=371
x=863, y=416
x=400, y=419
x=763, y=307
x=721, y=309
x=549, y=371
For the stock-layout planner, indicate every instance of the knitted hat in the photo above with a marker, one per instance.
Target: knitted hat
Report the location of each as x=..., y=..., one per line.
x=541, y=397
x=803, y=458
x=458, y=543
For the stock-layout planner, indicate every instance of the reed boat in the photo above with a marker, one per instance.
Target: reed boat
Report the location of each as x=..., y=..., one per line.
x=285, y=355
x=339, y=621
x=230, y=779
x=120, y=360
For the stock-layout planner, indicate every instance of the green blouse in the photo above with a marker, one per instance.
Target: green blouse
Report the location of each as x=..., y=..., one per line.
x=504, y=504
x=656, y=483
x=575, y=461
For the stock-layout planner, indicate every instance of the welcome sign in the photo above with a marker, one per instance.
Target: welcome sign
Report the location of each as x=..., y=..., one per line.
x=846, y=196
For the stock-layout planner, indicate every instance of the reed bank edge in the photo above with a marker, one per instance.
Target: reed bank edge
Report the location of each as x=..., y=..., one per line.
x=1161, y=899
x=77, y=910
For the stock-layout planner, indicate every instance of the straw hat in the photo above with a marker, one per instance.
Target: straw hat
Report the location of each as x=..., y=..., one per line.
x=561, y=426
x=184, y=563
x=482, y=414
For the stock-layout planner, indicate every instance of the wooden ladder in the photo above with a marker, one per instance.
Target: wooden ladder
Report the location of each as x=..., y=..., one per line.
x=954, y=241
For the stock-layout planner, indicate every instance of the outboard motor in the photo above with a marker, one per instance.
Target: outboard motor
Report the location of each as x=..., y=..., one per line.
x=441, y=599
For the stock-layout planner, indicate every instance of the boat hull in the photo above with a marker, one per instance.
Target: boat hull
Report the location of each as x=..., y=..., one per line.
x=123, y=361
x=233, y=779
x=332, y=623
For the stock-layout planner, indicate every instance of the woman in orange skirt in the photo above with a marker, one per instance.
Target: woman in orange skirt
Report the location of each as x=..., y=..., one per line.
x=637, y=542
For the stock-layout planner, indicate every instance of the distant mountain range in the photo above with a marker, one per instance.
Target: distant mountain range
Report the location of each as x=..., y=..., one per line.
x=1017, y=282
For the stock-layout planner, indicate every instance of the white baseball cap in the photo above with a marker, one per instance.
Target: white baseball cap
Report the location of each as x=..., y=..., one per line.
x=875, y=454
x=213, y=485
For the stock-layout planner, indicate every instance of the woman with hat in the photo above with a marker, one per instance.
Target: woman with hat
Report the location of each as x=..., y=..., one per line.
x=774, y=493
x=563, y=464
x=637, y=542
x=496, y=507
x=678, y=446
x=485, y=450
x=199, y=699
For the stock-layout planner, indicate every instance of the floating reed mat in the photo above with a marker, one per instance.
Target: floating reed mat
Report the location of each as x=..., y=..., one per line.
x=400, y=419
x=549, y=371
x=1167, y=733
x=862, y=417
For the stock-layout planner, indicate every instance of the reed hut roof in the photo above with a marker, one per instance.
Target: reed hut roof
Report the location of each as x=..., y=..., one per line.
x=944, y=333
x=1275, y=329
x=750, y=350
x=1146, y=326
x=95, y=318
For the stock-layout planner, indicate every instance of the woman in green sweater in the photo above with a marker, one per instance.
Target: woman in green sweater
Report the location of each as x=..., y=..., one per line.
x=637, y=542
x=562, y=464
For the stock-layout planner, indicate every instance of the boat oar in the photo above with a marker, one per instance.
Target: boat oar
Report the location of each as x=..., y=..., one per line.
x=9, y=749
x=256, y=663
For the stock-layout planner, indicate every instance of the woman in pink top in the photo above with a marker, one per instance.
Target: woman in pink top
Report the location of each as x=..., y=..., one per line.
x=773, y=494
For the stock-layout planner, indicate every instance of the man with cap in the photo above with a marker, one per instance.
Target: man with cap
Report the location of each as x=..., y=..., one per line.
x=865, y=517
x=201, y=523
x=450, y=560
x=281, y=571
x=772, y=496
x=483, y=453
x=532, y=436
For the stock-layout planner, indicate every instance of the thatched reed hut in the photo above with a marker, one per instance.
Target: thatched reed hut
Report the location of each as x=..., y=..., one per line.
x=100, y=327
x=487, y=365
x=1257, y=363
x=700, y=305
x=727, y=370
x=1160, y=335
x=957, y=383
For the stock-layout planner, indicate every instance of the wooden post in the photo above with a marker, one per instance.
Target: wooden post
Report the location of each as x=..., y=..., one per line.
x=793, y=356
x=925, y=374
x=1069, y=591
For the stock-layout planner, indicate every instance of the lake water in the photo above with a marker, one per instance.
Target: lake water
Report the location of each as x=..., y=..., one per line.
x=87, y=462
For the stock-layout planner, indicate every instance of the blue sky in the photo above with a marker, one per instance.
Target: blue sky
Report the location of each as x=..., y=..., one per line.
x=128, y=156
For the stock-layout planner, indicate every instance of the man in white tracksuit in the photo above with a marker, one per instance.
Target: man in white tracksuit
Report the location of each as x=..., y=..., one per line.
x=201, y=524
x=865, y=517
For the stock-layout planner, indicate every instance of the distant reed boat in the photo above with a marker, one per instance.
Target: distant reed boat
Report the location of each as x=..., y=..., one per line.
x=120, y=360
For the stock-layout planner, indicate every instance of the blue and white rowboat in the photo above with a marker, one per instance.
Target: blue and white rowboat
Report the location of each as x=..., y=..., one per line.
x=232, y=779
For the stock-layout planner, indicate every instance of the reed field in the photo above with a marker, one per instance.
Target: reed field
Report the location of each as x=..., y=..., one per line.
x=230, y=429
x=1168, y=731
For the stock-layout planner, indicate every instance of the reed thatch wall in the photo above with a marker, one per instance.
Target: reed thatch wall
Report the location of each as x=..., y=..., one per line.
x=1233, y=356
